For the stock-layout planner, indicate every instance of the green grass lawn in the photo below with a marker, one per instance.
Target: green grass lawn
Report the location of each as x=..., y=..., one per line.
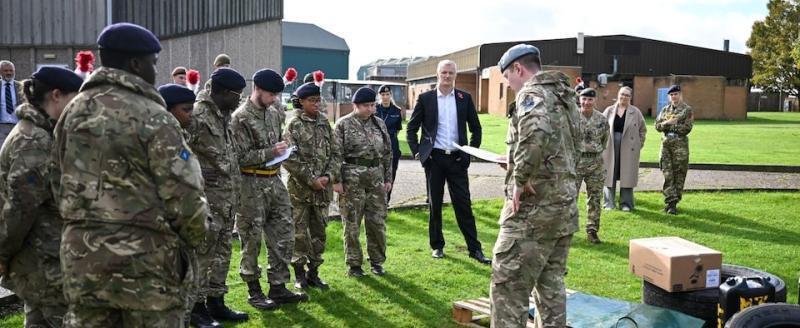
x=759, y=230
x=764, y=138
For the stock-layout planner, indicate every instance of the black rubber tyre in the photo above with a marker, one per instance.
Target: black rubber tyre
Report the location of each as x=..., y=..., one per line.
x=770, y=315
x=703, y=303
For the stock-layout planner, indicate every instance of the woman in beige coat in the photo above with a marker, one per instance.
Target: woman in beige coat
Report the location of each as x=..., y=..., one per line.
x=621, y=156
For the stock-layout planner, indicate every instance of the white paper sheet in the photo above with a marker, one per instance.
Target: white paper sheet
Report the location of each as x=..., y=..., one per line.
x=281, y=158
x=482, y=154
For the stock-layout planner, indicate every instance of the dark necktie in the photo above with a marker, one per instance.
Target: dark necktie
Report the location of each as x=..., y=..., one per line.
x=9, y=105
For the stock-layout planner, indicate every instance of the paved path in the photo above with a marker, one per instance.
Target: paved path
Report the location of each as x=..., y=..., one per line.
x=486, y=181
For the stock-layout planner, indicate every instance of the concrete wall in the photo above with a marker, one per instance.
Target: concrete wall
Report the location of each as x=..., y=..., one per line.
x=26, y=59
x=251, y=47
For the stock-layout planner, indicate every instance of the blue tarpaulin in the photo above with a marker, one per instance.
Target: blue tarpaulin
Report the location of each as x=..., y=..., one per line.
x=588, y=311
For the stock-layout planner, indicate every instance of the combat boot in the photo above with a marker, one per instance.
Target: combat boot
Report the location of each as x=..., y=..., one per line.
x=356, y=271
x=281, y=295
x=300, y=277
x=671, y=208
x=312, y=276
x=218, y=310
x=591, y=236
x=378, y=270
x=257, y=298
x=200, y=317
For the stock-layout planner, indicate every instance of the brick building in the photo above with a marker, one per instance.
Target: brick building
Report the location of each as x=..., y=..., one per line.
x=715, y=82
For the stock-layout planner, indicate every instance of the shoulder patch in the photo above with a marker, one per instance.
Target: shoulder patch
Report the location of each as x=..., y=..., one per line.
x=530, y=102
x=184, y=154
x=32, y=178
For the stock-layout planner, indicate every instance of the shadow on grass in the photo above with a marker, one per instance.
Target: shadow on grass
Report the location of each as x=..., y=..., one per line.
x=350, y=311
x=710, y=221
x=406, y=295
x=615, y=249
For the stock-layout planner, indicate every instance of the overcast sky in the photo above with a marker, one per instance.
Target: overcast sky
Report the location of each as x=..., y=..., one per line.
x=401, y=28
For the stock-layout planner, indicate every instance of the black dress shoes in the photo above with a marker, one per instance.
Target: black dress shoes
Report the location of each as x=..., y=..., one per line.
x=437, y=253
x=478, y=256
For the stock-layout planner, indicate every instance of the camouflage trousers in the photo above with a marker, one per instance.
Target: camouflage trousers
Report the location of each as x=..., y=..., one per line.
x=674, y=165
x=528, y=261
x=44, y=316
x=223, y=210
x=310, y=221
x=265, y=210
x=213, y=256
x=79, y=316
x=593, y=173
x=363, y=197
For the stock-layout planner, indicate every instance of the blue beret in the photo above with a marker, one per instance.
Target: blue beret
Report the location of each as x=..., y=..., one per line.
x=588, y=92
x=384, y=88
x=175, y=94
x=674, y=88
x=515, y=53
x=269, y=80
x=364, y=95
x=228, y=78
x=307, y=90
x=129, y=38
x=59, y=78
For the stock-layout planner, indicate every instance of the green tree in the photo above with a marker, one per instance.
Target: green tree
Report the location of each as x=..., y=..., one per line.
x=796, y=51
x=771, y=44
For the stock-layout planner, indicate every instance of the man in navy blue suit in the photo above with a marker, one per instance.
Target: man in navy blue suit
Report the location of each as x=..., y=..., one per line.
x=444, y=115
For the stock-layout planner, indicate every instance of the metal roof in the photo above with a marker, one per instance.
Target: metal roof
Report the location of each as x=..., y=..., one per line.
x=306, y=35
x=635, y=56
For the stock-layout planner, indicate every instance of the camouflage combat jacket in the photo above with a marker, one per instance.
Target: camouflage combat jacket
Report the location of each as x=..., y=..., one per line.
x=364, y=140
x=545, y=152
x=594, y=131
x=130, y=194
x=256, y=130
x=317, y=154
x=212, y=140
x=30, y=226
x=684, y=124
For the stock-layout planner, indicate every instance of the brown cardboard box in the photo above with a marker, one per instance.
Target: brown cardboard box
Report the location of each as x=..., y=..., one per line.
x=675, y=264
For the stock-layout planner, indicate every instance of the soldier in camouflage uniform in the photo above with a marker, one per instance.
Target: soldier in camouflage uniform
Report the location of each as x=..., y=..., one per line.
x=265, y=208
x=180, y=103
x=312, y=168
x=30, y=226
x=366, y=177
x=131, y=193
x=210, y=137
x=594, y=129
x=540, y=213
x=675, y=121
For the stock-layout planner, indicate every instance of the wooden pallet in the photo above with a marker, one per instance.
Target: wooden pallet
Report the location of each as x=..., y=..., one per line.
x=469, y=312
